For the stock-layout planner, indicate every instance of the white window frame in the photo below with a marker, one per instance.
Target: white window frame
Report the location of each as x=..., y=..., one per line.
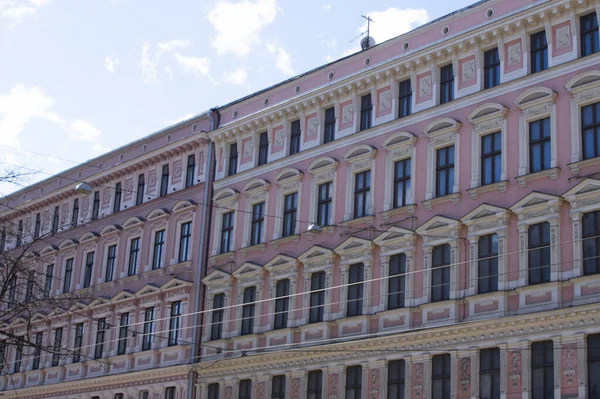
x=360, y=158
x=256, y=191
x=248, y=275
x=183, y=212
x=218, y=282
x=399, y=146
x=322, y=170
x=226, y=200
x=314, y=260
x=111, y=238
x=282, y=267
x=288, y=181
x=158, y=221
x=351, y=252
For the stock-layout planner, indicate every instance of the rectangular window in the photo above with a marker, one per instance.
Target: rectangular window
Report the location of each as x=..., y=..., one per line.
x=248, y=310
x=213, y=391
x=491, y=68
x=324, y=204
x=589, y=34
x=48, y=282
x=78, y=342
x=440, y=273
x=591, y=242
x=218, y=311
x=404, y=98
x=191, y=170
x=539, y=253
x=123, y=332
x=356, y=277
x=96, y=205
x=539, y=145
x=20, y=234
x=170, y=393
x=314, y=388
x=397, y=281
x=317, y=297
x=278, y=387
x=164, y=180
x=145, y=395
x=542, y=370
x=12, y=291
x=68, y=275
x=444, y=171
x=366, y=109
x=111, y=258
x=593, y=365
x=37, y=350
x=184, y=241
x=75, y=213
x=487, y=265
x=446, y=84
x=18, y=357
x=55, y=220
x=329, y=131
x=245, y=389
x=282, y=303
x=38, y=226
x=489, y=373
x=491, y=158
x=233, y=159
x=290, y=209
x=175, y=323
x=100, y=336
x=295, y=138
x=396, y=370
x=2, y=355
x=58, y=333
x=402, y=186
x=590, y=129
x=148, y=329
x=354, y=382
x=157, y=252
x=118, y=396
x=539, y=52
x=117, y=202
x=258, y=222
x=263, y=148
x=89, y=267
x=440, y=377
x=141, y=187
x=134, y=250
x=362, y=194
x=226, y=232
x=30, y=285
x=2, y=240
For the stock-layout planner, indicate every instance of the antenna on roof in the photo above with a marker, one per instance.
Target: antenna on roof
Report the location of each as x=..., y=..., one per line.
x=367, y=41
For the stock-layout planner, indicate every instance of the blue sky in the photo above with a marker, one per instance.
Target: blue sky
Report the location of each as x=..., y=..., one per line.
x=82, y=77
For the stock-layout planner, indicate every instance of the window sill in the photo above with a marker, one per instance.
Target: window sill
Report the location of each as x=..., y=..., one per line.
x=476, y=191
x=576, y=166
x=368, y=220
x=280, y=241
x=262, y=247
x=220, y=257
x=389, y=214
x=454, y=198
x=551, y=173
x=185, y=265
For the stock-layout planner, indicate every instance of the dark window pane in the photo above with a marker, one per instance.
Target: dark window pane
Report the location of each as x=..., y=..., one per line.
x=446, y=84
x=491, y=68
x=539, y=52
x=440, y=273
x=355, y=290
x=404, y=99
x=366, y=108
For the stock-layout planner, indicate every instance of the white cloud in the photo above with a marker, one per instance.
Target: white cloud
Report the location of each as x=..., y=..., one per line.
x=18, y=10
x=326, y=7
x=283, y=59
x=169, y=72
x=167, y=47
x=238, y=24
x=148, y=65
x=84, y=131
x=238, y=76
x=110, y=63
x=199, y=66
x=394, y=22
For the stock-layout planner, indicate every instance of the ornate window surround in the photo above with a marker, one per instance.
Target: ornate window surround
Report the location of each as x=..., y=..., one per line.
x=279, y=268
x=323, y=170
x=218, y=282
x=256, y=191
x=352, y=251
x=226, y=200
x=111, y=236
x=248, y=275
x=316, y=259
x=158, y=220
x=288, y=180
x=398, y=146
x=183, y=212
x=360, y=158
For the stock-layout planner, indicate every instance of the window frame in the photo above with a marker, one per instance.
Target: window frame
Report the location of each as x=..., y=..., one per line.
x=543, y=248
x=278, y=386
x=148, y=328
x=263, y=149
x=360, y=158
x=96, y=205
x=248, y=310
x=190, y=171
x=245, y=389
x=282, y=304
x=185, y=239
x=366, y=112
x=323, y=170
x=111, y=257
x=595, y=126
x=217, y=316
x=363, y=192
x=446, y=83
x=123, y=334
x=405, y=96
x=175, y=323
x=445, y=376
x=546, y=366
x=591, y=33
x=68, y=275
x=290, y=220
x=493, y=372
x=495, y=138
x=100, y=338
x=58, y=335
x=353, y=386
x=133, y=258
x=117, y=198
x=538, y=46
x=399, y=382
x=88, y=270
x=158, y=254
x=75, y=213
x=232, y=159
x=78, y=342
x=164, y=180
x=314, y=384
x=593, y=236
x=141, y=187
x=295, y=137
x=329, y=125
x=257, y=224
x=491, y=63
x=227, y=232
x=592, y=363
x=324, y=204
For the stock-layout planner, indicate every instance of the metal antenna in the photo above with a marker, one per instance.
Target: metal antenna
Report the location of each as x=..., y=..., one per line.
x=369, y=20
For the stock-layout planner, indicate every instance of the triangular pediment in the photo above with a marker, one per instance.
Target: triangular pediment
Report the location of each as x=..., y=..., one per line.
x=483, y=211
x=353, y=244
x=148, y=289
x=123, y=296
x=216, y=277
x=532, y=200
x=38, y=317
x=100, y=301
x=585, y=187
x=78, y=306
x=438, y=224
x=17, y=322
x=394, y=239
x=246, y=270
x=316, y=254
x=281, y=262
x=175, y=283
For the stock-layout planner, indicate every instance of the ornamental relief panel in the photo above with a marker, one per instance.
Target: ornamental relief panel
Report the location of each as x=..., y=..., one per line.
x=347, y=114
x=514, y=54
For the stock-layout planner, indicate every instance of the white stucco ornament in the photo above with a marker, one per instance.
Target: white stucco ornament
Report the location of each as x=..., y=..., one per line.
x=347, y=114
x=385, y=100
x=469, y=70
x=514, y=53
x=425, y=84
x=563, y=36
x=248, y=149
x=312, y=127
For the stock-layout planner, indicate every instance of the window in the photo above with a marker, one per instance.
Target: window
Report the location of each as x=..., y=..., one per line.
x=58, y=333
x=248, y=310
x=353, y=382
x=144, y=395
x=539, y=52
x=295, y=138
x=37, y=350
x=117, y=203
x=355, y=290
x=591, y=242
x=489, y=373
x=191, y=169
x=362, y=194
x=96, y=205
x=589, y=34
x=38, y=226
x=290, y=208
x=48, y=282
x=2, y=354
x=258, y=222
x=282, y=303
x=12, y=291
x=329, y=131
x=18, y=357
x=123, y=332
x=491, y=158
x=2, y=240
x=213, y=391
x=440, y=275
x=226, y=232
x=164, y=180
x=175, y=323
x=593, y=365
x=89, y=266
x=184, y=241
x=366, y=108
x=440, y=377
x=278, y=387
x=324, y=203
x=157, y=252
x=444, y=171
x=539, y=253
x=491, y=68
x=78, y=342
x=100, y=335
x=75, y=213
x=263, y=148
x=148, y=329
x=404, y=99
x=68, y=275
x=245, y=389
x=590, y=123
x=216, y=327
x=396, y=379
x=55, y=219
x=446, y=84
x=118, y=396
x=402, y=189
x=539, y=145
x=111, y=257
x=397, y=281
x=134, y=250
x=30, y=282
x=542, y=370
x=170, y=393
x=314, y=389
x=233, y=159
x=317, y=297
x=141, y=187
x=20, y=234
x=487, y=264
